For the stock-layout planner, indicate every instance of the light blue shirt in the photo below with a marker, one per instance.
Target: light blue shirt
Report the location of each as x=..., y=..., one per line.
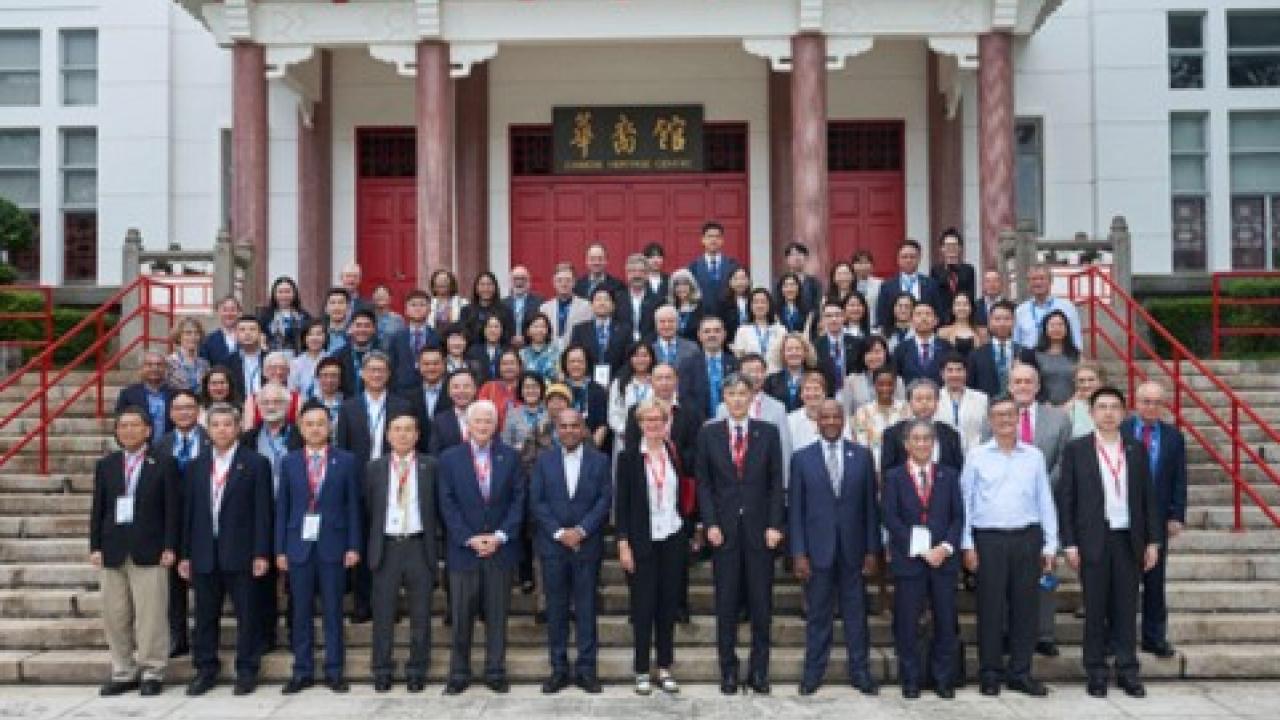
x=1006, y=491
x=1030, y=315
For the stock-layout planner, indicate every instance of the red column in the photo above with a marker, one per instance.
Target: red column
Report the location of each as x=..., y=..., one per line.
x=435, y=159
x=249, y=155
x=995, y=140
x=946, y=159
x=472, y=168
x=809, y=144
x=781, y=211
x=315, y=194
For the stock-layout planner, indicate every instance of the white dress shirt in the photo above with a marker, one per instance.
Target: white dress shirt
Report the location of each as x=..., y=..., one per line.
x=664, y=517
x=377, y=410
x=1115, y=482
x=221, y=469
x=411, y=521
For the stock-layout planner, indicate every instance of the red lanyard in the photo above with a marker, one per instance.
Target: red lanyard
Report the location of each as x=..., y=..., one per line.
x=1115, y=468
x=404, y=476
x=924, y=496
x=218, y=482
x=482, y=466
x=130, y=467
x=315, y=479
x=655, y=464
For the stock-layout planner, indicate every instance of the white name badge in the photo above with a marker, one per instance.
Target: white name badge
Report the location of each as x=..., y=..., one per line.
x=311, y=527
x=921, y=542
x=602, y=375
x=393, y=523
x=124, y=510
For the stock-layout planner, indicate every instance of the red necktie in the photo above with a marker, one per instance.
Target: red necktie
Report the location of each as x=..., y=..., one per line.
x=1025, y=433
x=1146, y=436
x=739, y=449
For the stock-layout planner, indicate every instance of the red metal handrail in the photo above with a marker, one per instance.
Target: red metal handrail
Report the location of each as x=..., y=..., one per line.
x=44, y=360
x=1126, y=320
x=1220, y=301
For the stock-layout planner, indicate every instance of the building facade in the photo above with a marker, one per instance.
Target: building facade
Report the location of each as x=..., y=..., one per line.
x=416, y=134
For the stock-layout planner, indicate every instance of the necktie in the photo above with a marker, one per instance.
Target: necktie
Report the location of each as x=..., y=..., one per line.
x=1002, y=365
x=482, y=474
x=402, y=494
x=669, y=352
x=739, y=449
x=562, y=316
x=837, y=358
x=1146, y=436
x=716, y=373
x=925, y=346
x=924, y=483
x=417, y=343
x=1025, y=433
x=953, y=280
x=602, y=336
x=715, y=268
x=183, y=451
x=833, y=467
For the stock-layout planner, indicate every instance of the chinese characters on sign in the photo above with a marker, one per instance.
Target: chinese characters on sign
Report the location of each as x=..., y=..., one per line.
x=614, y=139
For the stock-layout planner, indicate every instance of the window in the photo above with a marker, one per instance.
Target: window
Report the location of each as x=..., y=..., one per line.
x=20, y=167
x=1186, y=50
x=79, y=55
x=19, y=67
x=1029, y=170
x=1255, y=190
x=79, y=167
x=1253, y=48
x=1188, y=159
x=864, y=146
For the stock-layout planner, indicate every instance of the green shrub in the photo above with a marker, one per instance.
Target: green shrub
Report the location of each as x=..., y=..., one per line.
x=63, y=320
x=1190, y=319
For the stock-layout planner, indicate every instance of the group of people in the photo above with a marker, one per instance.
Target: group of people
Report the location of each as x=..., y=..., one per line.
x=906, y=427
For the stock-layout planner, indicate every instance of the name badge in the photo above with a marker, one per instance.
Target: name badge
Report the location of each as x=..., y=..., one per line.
x=393, y=523
x=602, y=375
x=124, y=510
x=921, y=541
x=311, y=527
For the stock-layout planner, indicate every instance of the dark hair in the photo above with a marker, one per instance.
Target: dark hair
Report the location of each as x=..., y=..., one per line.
x=322, y=323
x=802, y=303
x=771, y=315
x=953, y=357
x=834, y=293
x=365, y=313
x=751, y=357
x=602, y=289
x=417, y=294
x=1104, y=391
x=430, y=348
x=513, y=353
x=863, y=255
x=475, y=379
x=950, y=232
x=1068, y=342
x=451, y=330
x=233, y=395
x=137, y=411
x=250, y=318
x=886, y=369
x=1003, y=398
x=526, y=376
x=653, y=249
x=402, y=413
x=312, y=405
x=453, y=281
x=184, y=392
x=337, y=291
x=627, y=374
x=909, y=244
x=272, y=306
x=328, y=362
x=899, y=297
x=1002, y=305
x=972, y=305
x=865, y=325
x=712, y=225
x=475, y=289
x=871, y=341
x=728, y=296
x=795, y=246
x=564, y=357
x=551, y=329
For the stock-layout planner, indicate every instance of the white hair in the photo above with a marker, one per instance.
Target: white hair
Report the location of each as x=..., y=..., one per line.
x=480, y=406
x=277, y=356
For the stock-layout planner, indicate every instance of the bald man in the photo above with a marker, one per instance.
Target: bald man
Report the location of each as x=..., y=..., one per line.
x=151, y=393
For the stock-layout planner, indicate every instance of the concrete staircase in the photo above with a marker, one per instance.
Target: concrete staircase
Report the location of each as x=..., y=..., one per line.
x=1224, y=588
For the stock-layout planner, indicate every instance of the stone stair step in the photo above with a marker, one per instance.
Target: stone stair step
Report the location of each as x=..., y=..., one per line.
x=87, y=426
x=45, y=504
x=62, y=445
x=111, y=377
x=66, y=389
x=1223, y=518
x=50, y=526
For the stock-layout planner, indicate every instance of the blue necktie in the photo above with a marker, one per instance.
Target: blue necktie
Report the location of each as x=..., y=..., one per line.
x=183, y=451
x=715, y=372
x=562, y=315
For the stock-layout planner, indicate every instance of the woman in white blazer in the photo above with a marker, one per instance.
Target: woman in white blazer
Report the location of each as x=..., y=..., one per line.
x=961, y=407
x=446, y=303
x=763, y=334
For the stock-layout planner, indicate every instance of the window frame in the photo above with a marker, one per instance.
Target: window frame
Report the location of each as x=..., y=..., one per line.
x=1187, y=52
x=1039, y=154
x=1232, y=51
x=24, y=70
x=66, y=69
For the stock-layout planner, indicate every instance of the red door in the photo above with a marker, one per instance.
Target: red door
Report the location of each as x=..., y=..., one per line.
x=386, y=210
x=866, y=191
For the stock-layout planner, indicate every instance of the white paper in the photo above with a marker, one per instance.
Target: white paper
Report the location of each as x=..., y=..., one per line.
x=921, y=542
x=124, y=510
x=602, y=375
x=311, y=527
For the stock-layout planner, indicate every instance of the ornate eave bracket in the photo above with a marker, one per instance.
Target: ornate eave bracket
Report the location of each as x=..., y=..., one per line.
x=777, y=50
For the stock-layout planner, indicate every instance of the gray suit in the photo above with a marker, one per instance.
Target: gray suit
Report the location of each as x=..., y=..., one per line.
x=685, y=349
x=404, y=561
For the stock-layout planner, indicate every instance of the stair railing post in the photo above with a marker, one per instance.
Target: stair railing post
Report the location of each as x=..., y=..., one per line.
x=130, y=271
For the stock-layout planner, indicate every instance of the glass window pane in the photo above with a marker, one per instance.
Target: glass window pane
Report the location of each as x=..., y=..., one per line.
x=20, y=148
x=1255, y=172
x=1188, y=174
x=1253, y=29
x=1247, y=233
x=1027, y=192
x=1255, y=130
x=80, y=187
x=1186, y=30
x=20, y=49
x=1253, y=70
x=80, y=48
x=1028, y=136
x=1186, y=72
x=79, y=148
x=20, y=187
x=19, y=88
x=80, y=87
x=1189, y=227
x=1186, y=132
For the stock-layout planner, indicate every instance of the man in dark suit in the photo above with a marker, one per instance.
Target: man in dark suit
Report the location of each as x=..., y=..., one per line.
x=922, y=399
x=400, y=511
x=668, y=346
x=838, y=353
x=522, y=303
x=220, y=344
x=1166, y=450
x=407, y=344
x=362, y=339
x=605, y=338
x=953, y=275
x=924, y=516
x=428, y=395
x=702, y=376
x=570, y=496
x=362, y=431
x=1112, y=528
x=908, y=280
x=741, y=500
x=659, y=281
x=990, y=364
x=921, y=354
x=449, y=426
x=482, y=502
x=318, y=538
x=637, y=303
x=134, y=528
x=246, y=363
x=184, y=444
x=712, y=268
x=597, y=260
x=835, y=538
x=992, y=294
x=152, y=393
x=226, y=544
x=796, y=256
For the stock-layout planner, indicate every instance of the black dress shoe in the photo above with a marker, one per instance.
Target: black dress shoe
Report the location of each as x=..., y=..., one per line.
x=865, y=685
x=117, y=687
x=555, y=683
x=526, y=587
x=807, y=689
x=590, y=684
x=201, y=684
x=382, y=684
x=245, y=686
x=179, y=648
x=151, y=688
x=683, y=617
x=989, y=688
x=946, y=692
x=1161, y=649
x=337, y=685
x=1132, y=687
x=760, y=685
x=359, y=616
x=1028, y=686
x=498, y=685
x=729, y=686
x=540, y=617
x=296, y=685
x=1096, y=688
x=911, y=692
x=455, y=687
x=415, y=685
x=1047, y=648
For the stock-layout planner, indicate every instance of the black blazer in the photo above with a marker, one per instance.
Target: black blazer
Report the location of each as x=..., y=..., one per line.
x=852, y=358
x=648, y=305
x=582, y=287
x=695, y=385
x=532, y=302
x=631, y=514
x=375, y=490
x=477, y=356
x=352, y=433
x=776, y=387
x=167, y=444
x=292, y=441
x=473, y=318
x=1082, y=512
x=136, y=395
x=214, y=348
x=945, y=517
x=893, y=447
x=290, y=339
x=614, y=354
x=157, y=521
x=235, y=364
x=966, y=282
x=731, y=318
x=890, y=289
x=592, y=401
x=757, y=495
x=906, y=358
x=416, y=397
x=400, y=348
x=351, y=369
x=983, y=374
x=244, y=520
x=685, y=423
x=445, y=431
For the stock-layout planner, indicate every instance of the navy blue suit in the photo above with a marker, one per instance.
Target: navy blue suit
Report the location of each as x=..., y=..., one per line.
x=1170, y=478
x=446, y=432
x=405, y=360
x=916, y=581
x=891, y=288
x=613, y=354
x=984, y=372
x=222, y=562
x=712, y=286
x=695, y=383
x=214, y=348
x=836, y=533
x=317, y=565
x=906, y=358
x=136, y=395
x=567, y=573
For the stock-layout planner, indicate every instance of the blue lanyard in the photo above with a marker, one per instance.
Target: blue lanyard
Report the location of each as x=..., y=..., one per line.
x=909, y=287
x=279, y=444
x=562, y=315
x=375, y=420
x=762, y=337
x=602, y=336
x=793, y=388
x=955, y=411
